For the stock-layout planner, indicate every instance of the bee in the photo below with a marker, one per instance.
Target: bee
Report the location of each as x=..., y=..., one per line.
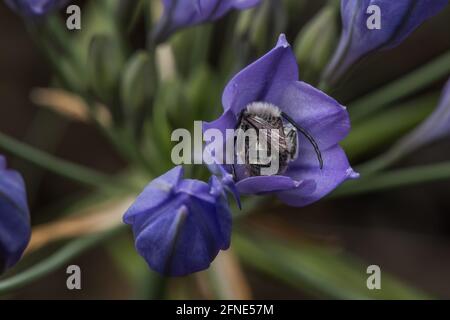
x=262, y=115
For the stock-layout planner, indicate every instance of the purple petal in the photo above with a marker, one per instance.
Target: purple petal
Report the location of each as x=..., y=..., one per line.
x=264, y=77
x=227, y=120
x=266, y=184
x=196, y=189
x=185, y=13
x=222, y=209
x=335, y=171
x=15, y=226
x=159, y=190
x=398, y=20
x=322, y=116
x=182, y=237
x=227, y=180
x=180, y=225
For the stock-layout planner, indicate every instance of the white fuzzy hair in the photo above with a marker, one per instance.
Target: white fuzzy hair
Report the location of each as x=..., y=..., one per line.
x=263, y=108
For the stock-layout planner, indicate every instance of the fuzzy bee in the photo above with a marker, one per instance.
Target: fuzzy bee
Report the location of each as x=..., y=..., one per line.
x=261, y=115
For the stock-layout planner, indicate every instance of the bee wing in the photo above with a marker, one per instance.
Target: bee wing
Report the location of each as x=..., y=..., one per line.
x=272, y=131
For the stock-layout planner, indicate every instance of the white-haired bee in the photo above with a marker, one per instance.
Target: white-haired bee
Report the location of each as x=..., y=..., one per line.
x=262, y=115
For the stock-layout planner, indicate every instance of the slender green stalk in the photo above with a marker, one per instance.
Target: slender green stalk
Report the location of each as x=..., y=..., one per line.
x=52, y=263
x=395, y=179
x=51, y=163
x=318, y=270
x=401, y=88
x=387, y=126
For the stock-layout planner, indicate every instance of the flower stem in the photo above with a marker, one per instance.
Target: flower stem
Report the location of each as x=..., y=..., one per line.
x=400, y=88
x=54, y=164
x=53, y=262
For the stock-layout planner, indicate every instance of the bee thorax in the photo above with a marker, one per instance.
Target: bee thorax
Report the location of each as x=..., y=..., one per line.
x=275, y=138
x=263, y=109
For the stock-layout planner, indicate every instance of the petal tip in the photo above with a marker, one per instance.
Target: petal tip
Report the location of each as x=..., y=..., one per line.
x=352, y=174
x=282, y=41
x=298, y=183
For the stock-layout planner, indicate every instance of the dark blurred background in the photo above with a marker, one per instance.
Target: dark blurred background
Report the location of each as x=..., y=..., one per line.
x=406, y=232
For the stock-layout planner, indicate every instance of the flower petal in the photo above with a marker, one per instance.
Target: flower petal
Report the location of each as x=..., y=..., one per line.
x=262, y=78
x=335, y=171
x=181, y=237
x=322, y=116
x=185, y=13
x=158, y=191
x=15, y=227
x=227, y=180
x=398, y=20
x=179, y=224
x=266, y=184
x=227, y=120
x=223, y=213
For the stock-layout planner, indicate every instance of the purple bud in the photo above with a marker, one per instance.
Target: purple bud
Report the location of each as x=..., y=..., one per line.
x=360, y=36
x=185, y=13
x=180, y=225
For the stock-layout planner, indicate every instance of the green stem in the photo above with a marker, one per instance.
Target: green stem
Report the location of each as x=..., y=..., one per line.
x=396, y=179
x=53, y=164
x=401, y=88
x=53, y=262
x=384, y=128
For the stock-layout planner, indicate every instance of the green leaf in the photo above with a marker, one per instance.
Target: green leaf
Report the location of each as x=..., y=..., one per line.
x=53, y=164
x=374, y=133
x=53, y=262
x=316, y=269
x=105, y=63
x=395, y=179
x=315, y=43
x=413, y=82
x=138, y=88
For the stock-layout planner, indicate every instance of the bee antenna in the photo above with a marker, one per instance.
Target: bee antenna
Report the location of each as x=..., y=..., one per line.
x=307, y=135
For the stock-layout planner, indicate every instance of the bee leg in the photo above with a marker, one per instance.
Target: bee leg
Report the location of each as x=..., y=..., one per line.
x=308, y=136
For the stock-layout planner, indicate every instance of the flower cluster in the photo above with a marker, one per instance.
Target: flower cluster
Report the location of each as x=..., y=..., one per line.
x=180, y=225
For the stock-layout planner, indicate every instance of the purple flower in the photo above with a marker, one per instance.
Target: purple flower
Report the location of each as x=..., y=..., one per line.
x=399, y=19
x=185, y=13
x=180, y=225
x=35, y=7
x=273, y=81
x=15, y=227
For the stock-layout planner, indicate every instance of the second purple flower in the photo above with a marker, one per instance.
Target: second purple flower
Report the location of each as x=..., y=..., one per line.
x=270, y=88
